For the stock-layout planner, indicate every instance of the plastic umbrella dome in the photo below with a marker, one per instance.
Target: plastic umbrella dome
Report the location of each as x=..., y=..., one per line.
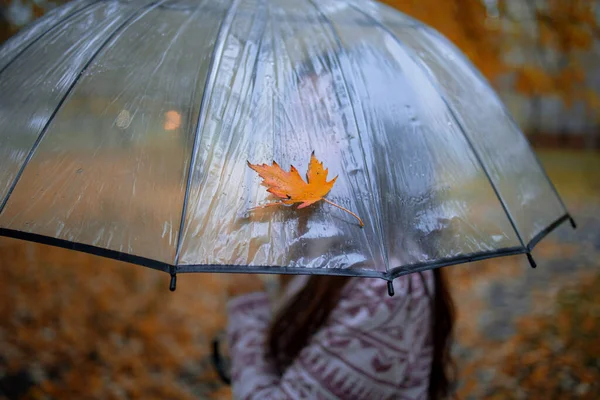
x=126, y=128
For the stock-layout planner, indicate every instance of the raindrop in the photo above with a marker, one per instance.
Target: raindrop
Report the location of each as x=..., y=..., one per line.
x=123, y=119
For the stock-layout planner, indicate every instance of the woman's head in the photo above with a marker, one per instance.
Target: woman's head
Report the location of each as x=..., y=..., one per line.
x=309, y=309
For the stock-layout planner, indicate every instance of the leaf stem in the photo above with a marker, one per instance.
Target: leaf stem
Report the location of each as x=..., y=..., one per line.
x=345, y=209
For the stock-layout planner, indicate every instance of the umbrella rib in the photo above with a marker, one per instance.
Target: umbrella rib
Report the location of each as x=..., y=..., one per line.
x=51, y=28
x=454, y=116
x=338, y=41
x=483, y=167
x=132, y=19
x=210, y=78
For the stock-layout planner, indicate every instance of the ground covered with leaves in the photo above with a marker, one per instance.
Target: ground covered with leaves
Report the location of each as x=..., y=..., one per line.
x=79, y=326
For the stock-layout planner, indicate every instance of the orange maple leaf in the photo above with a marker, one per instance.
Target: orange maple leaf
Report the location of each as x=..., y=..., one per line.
x=291, y=188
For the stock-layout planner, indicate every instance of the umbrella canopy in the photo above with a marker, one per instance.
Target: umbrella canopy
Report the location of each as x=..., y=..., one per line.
x=126, y=128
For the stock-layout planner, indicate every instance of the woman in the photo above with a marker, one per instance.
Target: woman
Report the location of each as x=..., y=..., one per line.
x=339, y=337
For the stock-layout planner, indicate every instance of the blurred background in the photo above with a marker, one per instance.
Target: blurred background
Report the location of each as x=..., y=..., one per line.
x=76, y=326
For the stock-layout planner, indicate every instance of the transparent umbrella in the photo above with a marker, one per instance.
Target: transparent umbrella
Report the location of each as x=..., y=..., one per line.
x=126, y=128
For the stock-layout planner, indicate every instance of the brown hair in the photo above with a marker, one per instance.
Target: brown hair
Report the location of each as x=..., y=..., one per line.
x=308, y=310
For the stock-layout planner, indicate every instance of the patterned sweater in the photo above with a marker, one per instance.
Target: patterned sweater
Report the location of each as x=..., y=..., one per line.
x=372, y=346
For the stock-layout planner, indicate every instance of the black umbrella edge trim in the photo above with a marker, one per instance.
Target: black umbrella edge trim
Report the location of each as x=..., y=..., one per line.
x=277, y=269
x=424, y=266
x=418, y=267
x=536, y=239
x=85, y=248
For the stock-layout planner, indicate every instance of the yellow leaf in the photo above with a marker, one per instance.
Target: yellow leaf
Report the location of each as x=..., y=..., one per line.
x=291, y=188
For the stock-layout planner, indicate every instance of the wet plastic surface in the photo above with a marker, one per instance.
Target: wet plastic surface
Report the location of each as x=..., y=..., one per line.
x=125, y=130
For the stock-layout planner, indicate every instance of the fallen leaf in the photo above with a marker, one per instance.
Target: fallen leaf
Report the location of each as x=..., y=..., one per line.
x=291, y=188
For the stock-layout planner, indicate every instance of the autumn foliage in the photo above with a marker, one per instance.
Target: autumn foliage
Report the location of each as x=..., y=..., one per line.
x=563, y=345
x=76, y=326
x=551, y=36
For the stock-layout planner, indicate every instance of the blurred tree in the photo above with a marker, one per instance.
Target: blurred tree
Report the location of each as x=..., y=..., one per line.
x=560, y=33
x=14, y=14
x=467, y=24
x=542, y=43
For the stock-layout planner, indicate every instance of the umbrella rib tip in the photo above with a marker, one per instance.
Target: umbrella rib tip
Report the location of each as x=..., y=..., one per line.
x=572, y=221
x=531, y=260
x=390, y=287
x=173, y=283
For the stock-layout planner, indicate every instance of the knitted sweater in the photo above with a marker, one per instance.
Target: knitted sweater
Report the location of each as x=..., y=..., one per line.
x=371, y=347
